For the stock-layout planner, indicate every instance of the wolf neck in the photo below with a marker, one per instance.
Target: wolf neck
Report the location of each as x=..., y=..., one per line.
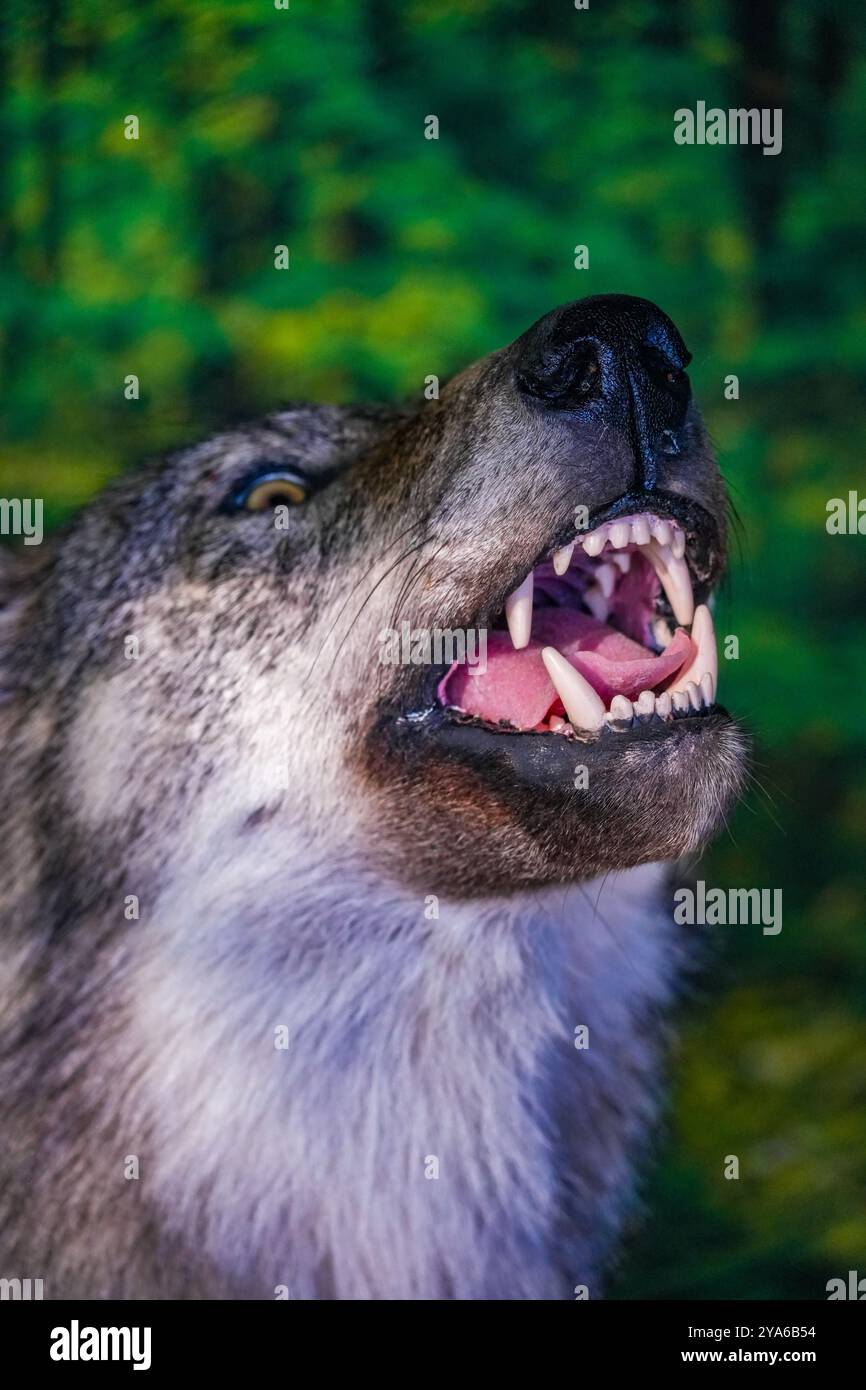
x=359, y=1100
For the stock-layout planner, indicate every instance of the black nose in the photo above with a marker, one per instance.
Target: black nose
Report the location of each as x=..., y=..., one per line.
x=616, y=358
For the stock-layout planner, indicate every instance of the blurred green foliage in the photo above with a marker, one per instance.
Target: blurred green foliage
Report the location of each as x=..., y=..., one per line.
x=305, y=126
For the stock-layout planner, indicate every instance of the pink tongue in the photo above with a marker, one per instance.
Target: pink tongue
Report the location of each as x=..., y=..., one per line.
x=516, y=687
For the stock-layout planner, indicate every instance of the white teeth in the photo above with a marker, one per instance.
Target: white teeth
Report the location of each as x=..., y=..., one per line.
x=661, y=530
x=680, y=700
x=596, y=603
x=562, y=558
x=707, y=689
x=594, y=543
x=582, y=705
x=620, y=534
x=622, y=561
x=676, y=581
x=555, y=722
x=645, y=703
x=621, y=709
x=678, y=544
x=706, y=662
x=664, y=705
x=694, y=694
x=605, y=577
x=518, y=613
x=662, y=632
x=640, y=531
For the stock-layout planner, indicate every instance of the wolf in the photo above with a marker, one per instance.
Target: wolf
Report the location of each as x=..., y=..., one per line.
x=328, y=977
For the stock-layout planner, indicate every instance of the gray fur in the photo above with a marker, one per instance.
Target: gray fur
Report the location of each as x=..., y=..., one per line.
x=235, y=779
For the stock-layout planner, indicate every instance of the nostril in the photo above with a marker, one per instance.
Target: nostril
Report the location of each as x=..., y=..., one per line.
x=666, y=372
x=563, y=374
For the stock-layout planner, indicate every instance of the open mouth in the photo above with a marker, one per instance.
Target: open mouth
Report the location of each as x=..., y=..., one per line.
x=603, y=634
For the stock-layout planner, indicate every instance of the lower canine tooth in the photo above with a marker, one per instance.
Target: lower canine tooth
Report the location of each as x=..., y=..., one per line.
x=623, y=561
x=583, y=707
x=518, y=613
x=562, y=558
x=596, y=603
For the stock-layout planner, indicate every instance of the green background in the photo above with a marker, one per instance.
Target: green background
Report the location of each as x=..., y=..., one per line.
x=410, y=256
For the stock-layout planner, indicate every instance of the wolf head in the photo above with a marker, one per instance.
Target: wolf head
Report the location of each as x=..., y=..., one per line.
x=213, y=658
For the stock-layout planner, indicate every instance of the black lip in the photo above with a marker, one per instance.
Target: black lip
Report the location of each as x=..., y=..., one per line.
x=545, y=761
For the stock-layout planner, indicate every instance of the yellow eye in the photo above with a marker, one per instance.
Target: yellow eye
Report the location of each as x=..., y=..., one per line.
x=276, y=490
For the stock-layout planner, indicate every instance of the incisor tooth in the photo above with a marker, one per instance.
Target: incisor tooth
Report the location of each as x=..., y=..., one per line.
x=645, y=703
x=594, y=543
x=680, y=700
x=661, y=529
x=676, y=581
x=583, y=707
x=694, y=694
x=707, y=689
x=620, y=534
x=596, y=603
x=621, y=709
x=640, y=531
x=562, y=558
x=518, y=613
x=706, y=662
x=605, y=578
x=664, y=705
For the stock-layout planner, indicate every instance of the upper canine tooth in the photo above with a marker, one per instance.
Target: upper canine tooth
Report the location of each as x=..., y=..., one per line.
x=596, y=603
x=605, y=576
x=676, y=581
x=562, y=558
x=518, y=613
x=640, y=532
x=594, y=543
x=620, y=534
x=582, y=705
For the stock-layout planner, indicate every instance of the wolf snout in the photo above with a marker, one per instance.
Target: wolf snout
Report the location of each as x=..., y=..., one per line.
x=612, y=358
